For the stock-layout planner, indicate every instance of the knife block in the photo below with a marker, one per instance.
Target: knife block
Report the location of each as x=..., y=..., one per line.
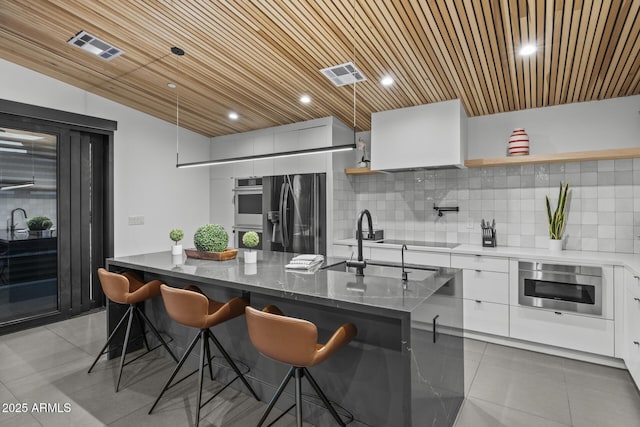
x=489, y=237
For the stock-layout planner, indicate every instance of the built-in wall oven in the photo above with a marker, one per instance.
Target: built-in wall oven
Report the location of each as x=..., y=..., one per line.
x=247, y=200
x=561, y=287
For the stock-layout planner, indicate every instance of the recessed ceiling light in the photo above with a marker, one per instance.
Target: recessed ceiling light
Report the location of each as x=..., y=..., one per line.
x=233, y=116
x=172, y=85
x=305, y=99
x=527, y=49
x=387, y=81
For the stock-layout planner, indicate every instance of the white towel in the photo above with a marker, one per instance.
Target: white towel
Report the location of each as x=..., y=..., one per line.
x=305, y=262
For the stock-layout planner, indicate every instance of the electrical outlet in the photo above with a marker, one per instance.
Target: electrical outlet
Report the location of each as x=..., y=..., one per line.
x=136, y=220
x=469, y=224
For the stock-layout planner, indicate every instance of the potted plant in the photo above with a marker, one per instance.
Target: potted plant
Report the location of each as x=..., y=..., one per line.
x=250, y=239
x=176, y=235
x=557, y=219
x=39, y=225
x=211, y=243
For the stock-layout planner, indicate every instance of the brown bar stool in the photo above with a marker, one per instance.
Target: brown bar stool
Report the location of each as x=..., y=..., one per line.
x=190, y=307
x=127, y=288
x=294, y=342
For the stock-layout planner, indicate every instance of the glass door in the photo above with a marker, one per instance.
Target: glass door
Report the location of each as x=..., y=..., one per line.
x=28, y=227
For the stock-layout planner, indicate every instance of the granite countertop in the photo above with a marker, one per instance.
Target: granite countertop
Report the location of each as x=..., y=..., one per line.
x=8, y=236
x=269, y=276
x=631, y=261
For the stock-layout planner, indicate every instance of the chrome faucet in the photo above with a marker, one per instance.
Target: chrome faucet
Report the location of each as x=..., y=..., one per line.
x=405, y=274
x=360, y=264
x=12, y=226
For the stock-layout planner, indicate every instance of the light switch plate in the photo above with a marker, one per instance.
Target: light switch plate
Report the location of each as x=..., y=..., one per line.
x=136, y=220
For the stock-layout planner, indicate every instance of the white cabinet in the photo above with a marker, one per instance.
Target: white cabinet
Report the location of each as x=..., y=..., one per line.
x=486, y=317
x=631, y=324
x=480, y=262
x=583, y=333
x=421, y=136
x=485, y=284
x=302, y=139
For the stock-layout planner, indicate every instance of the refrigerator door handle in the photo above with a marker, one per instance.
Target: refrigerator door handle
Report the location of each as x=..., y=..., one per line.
x=285, y=219
x=281, y=212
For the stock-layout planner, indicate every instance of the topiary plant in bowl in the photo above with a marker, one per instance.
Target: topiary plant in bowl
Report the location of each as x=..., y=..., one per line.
x=39, y=223
x=211, y=243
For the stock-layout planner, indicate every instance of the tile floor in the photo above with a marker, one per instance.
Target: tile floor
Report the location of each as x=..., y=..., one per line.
x=504, y=386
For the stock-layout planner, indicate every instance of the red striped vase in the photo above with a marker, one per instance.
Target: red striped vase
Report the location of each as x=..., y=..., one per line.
x=518, y=143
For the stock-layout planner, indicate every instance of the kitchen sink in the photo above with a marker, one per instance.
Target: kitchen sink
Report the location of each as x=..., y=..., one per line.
x=392, y=271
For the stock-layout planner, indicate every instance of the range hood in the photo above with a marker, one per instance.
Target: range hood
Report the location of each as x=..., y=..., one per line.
x=430, y=136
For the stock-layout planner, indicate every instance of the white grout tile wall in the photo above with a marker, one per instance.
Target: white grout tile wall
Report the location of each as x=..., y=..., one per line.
x=603, y=208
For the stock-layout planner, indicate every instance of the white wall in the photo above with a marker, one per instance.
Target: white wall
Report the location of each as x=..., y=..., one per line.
x=585, y=126
x=147, y=182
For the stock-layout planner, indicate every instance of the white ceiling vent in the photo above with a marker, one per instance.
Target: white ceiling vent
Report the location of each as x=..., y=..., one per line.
x=344, y=74
x=94, y=45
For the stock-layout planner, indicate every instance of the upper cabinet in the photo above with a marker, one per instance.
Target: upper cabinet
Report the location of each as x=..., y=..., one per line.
x=310, y=134
x=425, y=136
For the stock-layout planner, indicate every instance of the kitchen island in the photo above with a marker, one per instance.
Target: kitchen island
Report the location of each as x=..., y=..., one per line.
x=405, y=367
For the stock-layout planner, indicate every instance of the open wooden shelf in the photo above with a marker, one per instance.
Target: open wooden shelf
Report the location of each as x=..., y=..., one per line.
x=360, y=171
x=578, y=156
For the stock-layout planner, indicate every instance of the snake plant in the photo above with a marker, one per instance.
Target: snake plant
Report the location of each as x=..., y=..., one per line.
x=557, y=219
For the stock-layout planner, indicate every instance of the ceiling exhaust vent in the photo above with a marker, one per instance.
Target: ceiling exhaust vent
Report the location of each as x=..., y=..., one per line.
x=344, y=74
x=94, y=45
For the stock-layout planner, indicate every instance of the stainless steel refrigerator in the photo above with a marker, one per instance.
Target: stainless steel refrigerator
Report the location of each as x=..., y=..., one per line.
x=295, y=213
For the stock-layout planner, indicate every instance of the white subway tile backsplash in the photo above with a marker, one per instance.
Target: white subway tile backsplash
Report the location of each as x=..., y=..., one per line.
x=603, y=199
x=605, y=165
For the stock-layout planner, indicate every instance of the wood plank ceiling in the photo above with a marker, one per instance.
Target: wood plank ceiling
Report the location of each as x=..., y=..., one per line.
x=258, y=57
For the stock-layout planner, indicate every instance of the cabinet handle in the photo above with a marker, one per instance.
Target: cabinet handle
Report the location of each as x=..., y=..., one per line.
x=435, y=324
x=558, y=313
x=636, y=299
x=478, y=301
x=478, y=271
x=636, y=343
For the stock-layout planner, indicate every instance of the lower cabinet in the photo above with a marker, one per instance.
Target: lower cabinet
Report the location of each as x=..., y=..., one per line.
x=486, y=317
x=631, y=341
x=583, y=333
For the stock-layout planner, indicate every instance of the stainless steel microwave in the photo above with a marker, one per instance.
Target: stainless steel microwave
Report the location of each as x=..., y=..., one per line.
x=560, y=287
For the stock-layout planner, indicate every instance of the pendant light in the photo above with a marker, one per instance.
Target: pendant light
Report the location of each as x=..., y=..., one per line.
x=329, y=149
x=178, y=53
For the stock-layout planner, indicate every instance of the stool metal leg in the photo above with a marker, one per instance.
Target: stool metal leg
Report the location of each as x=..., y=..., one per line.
x=124, y=346
x=141, y=326
x=276, y=396
x=232, y=363
x=203, y=344
x=157, y=334
x=175, y=371
x=113, y=333
x=323, y=397
x=298, y=374
x=208, y=350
